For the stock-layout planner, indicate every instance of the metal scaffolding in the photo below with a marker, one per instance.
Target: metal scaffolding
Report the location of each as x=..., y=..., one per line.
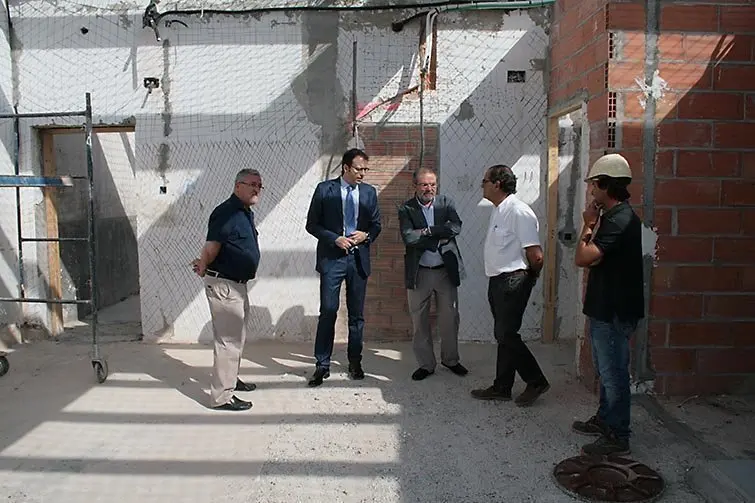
x=19, y=181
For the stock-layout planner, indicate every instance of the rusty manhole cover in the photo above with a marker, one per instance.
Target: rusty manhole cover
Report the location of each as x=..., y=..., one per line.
x=601, y=478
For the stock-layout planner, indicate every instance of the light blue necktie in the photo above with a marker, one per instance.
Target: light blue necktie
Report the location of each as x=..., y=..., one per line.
x=350, y=221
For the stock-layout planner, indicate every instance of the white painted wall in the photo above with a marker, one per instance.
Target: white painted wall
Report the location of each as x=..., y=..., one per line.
x=9, y=313
x=248, y=91
x=573, y=153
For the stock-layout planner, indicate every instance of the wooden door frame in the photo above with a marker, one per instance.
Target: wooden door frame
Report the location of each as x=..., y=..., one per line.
x=550, y=285
x=49, y=168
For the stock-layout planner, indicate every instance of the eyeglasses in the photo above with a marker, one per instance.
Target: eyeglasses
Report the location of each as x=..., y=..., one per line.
x=360, y=170
x=253, y=185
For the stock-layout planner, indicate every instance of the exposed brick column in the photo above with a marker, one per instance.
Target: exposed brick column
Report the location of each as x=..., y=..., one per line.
x=703, y=306
x=394, y=155
x=579, y=51
x=702, y=313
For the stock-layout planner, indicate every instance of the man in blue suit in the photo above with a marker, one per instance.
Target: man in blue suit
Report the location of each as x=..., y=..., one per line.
x=344, y=216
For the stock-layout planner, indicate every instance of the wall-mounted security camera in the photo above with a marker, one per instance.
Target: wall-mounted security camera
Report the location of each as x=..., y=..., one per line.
x=151, y=83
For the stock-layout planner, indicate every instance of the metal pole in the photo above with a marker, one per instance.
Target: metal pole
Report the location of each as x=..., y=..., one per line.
x=354, y=89
x=42, y=115
x=19, y=233
x=421, y=118
x=90, y=215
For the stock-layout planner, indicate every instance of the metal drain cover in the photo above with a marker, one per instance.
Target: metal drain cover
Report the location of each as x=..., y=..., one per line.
x=608, y=479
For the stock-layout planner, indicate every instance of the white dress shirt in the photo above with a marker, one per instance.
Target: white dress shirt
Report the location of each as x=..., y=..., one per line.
x=513, y=227
x=431, y=258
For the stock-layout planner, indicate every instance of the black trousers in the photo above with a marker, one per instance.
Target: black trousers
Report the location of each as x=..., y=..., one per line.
x=508, y=295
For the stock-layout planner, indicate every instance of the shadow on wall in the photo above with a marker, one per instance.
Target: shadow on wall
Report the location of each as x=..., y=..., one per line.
x=501, y=121
x=14, y=326
x=301, y=128
x=117, y=263
x=313, y=132
x=293, y=321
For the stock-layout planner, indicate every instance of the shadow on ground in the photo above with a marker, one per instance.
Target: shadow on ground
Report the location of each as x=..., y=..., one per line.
x=146, y=434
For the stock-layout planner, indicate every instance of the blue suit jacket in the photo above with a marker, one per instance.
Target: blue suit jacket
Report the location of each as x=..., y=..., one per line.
x=325, y=222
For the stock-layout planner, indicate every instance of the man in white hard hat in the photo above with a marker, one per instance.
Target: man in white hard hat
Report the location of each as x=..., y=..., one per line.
x=611, y=248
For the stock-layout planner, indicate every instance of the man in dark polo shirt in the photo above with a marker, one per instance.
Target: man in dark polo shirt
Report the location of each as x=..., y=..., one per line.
x=611, y=248
x=229, y=259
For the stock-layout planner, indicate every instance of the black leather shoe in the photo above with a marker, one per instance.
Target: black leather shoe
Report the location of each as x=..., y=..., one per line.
x=420, y=374
x=491, y=393
x=458, y=369
x=531, y=393
x=235, y=404
x=355, y=370
x=318, y=377
x=244, y=386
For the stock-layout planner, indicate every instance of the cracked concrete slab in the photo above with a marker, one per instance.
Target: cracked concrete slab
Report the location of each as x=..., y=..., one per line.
x=146, y=435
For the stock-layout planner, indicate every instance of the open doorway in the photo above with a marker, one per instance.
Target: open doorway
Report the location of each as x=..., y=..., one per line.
x=568, y=151
x=115, y=207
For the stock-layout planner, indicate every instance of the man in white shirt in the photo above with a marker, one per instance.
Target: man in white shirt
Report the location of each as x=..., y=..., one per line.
x=513, y=260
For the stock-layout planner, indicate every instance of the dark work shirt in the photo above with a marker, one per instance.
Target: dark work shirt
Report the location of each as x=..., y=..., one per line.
x=232, y=225
x=615, y=284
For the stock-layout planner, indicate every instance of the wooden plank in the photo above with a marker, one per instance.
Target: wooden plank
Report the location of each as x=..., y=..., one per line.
x=567, y=107
x=550, y=284
x=55, y=278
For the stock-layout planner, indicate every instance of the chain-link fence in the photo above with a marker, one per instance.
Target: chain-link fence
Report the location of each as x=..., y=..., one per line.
x=279, y=91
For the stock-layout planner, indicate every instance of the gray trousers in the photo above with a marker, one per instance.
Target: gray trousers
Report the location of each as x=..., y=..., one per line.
x=436, y=281
x=229, y=305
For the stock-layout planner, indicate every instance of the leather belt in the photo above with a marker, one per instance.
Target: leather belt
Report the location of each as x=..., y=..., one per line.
x=216, y=274
x=514, y=273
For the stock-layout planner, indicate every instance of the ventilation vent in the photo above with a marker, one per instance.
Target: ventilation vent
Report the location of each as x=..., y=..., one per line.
x=611, y=135
x=611, y=46
x=515, y=76
x=606, y=76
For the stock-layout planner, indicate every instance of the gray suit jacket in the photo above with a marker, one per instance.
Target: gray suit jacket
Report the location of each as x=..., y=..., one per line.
x=447, y=227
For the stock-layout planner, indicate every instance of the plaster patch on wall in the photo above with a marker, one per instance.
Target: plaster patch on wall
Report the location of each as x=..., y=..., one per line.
x=649, y=242
x=466, y=111
x=656, y=89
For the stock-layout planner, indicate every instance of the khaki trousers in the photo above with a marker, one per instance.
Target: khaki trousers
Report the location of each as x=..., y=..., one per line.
x=229, y=305
x=436, y=281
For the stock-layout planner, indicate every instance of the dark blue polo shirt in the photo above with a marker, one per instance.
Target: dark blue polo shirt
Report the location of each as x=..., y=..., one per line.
x=232, y=225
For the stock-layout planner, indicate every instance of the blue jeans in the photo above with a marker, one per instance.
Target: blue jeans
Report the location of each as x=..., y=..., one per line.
x=610, y=356
x=334, y=273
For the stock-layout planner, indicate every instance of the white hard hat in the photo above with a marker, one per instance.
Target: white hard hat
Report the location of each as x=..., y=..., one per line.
x=610, y=165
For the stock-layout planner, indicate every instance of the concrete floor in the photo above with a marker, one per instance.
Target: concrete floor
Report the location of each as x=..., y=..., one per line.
x=146, y=435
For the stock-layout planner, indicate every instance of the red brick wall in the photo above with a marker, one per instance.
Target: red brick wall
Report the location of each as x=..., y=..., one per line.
x=394, y=155
x=702, y=315
x=579, y=57
x=703, y=288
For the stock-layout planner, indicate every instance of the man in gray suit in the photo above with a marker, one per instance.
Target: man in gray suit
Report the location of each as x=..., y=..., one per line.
x=432, y=264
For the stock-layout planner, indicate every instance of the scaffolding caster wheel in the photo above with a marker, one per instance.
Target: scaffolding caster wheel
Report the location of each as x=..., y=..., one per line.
x=4, y=365
x=100, y=370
